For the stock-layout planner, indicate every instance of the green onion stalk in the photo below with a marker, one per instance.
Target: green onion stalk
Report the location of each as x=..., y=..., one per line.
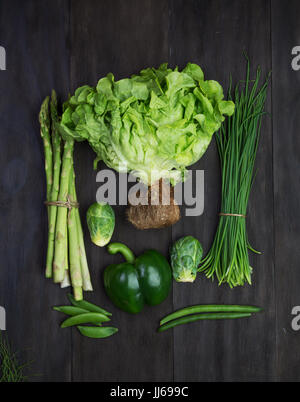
x=237, y=143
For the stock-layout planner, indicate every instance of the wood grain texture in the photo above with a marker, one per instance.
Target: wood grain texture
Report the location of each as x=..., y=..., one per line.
x=34, y=34
x=122, y=38
x=214, y=34
x=286, y=121
x=63, y=44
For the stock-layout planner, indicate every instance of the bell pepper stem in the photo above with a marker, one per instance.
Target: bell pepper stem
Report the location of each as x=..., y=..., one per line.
x=114, y=248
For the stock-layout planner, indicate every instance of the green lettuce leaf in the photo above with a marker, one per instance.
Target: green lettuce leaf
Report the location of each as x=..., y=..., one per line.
x=154, y=124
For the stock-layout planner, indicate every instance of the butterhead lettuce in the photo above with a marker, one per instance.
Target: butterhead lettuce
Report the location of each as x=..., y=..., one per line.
x=153, y=124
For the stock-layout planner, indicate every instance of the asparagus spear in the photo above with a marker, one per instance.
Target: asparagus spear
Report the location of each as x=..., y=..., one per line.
x=66, y=282
x=75, y=265
x=87, y=284
x=60, y=251
x=56, y=146
x=44, y=119
x=86, y=280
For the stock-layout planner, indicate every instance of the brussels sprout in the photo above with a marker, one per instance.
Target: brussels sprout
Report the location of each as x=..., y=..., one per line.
x=186, y=254
x=101, y=223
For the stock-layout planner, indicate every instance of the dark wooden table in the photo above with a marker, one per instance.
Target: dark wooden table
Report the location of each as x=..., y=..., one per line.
x=63, y=44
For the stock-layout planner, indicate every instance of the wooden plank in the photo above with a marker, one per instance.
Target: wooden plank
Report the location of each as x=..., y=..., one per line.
x=286, y=120
x=119, y=37
x=34, y=36
x=214, y=35
x=123, y=38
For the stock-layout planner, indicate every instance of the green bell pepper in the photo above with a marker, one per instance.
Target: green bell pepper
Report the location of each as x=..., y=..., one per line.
x=138, y=281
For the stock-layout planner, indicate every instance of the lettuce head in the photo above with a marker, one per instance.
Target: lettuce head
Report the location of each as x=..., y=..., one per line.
x=152, y=125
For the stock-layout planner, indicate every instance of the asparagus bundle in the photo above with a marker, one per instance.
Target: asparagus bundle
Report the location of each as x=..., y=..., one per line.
x=66, y=259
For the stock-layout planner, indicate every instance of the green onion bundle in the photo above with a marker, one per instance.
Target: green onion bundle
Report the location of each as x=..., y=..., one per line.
x=11, y=370
x=237, y=143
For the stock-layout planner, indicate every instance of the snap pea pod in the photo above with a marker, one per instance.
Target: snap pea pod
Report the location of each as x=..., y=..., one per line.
x=97, y=332
x=86, y=318
x=70, y=310
x=210, y=308
x=87, y=306
x=203, y=316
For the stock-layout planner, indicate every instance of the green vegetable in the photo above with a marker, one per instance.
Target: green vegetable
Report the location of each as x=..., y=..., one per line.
x=74, y=256
x=44, y=119
x=85, y=273
x=153, y=124
x=70, y=310
x=83, y=312
x=66, y=258
x=10, y=368
x=101, y=223
x=85, y=318
x=54, y=189
x=138, y=281
x=237, y=142
x=197, y=317
x=61, y=251
x=97, y=332
x=186, y=254
x=213, y=308
x=83, y=304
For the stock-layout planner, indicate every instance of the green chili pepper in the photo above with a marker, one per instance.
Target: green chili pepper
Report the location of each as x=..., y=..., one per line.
x=212, y=308
x=70, y=310
x=97, y=332
x=196, y=317
x=87, y=306
x=92, y=318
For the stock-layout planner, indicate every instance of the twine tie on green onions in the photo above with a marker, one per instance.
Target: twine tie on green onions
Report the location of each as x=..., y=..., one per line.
x=238, y=215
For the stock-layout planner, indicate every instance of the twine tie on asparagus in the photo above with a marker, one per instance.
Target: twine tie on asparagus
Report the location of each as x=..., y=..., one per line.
x=238, y=215
x=66, y=204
